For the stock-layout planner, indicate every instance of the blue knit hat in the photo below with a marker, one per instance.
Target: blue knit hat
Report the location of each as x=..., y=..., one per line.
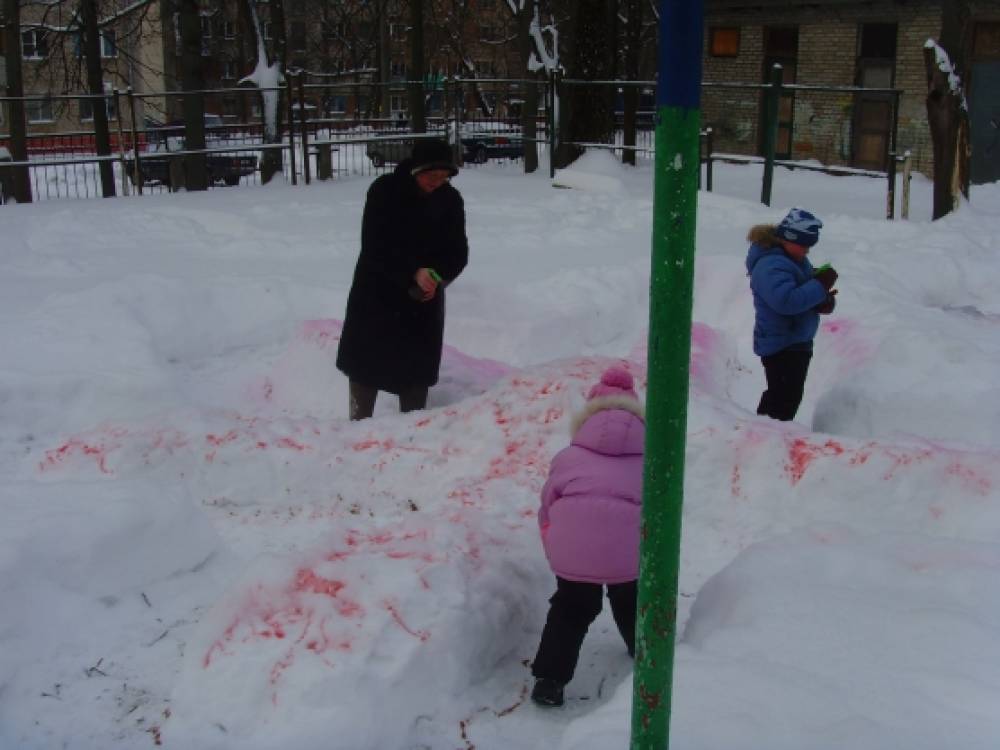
x=799, y=226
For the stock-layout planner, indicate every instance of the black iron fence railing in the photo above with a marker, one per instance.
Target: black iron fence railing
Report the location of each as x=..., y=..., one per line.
x=325, y=127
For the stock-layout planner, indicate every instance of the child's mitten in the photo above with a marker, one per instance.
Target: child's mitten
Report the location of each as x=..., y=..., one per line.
x=827, y=277
x=826, y=307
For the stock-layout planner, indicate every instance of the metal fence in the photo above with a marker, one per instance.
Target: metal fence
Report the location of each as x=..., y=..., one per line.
x=332, y=128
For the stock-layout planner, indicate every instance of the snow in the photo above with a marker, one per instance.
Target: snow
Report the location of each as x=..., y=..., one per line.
x=199, y=550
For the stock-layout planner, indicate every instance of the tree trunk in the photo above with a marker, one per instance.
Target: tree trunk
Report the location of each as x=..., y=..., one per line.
x=19, y=180
x=272, y=160
x=947, y=113
x=587, y=112
x=529, y=107
x=95, y=85
x=193, y=104
x=418, y=122
x=630, y=98
x=384, y=100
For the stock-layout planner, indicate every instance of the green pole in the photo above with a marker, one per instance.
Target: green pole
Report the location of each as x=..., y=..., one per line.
x=772, y=98
x=675, y=204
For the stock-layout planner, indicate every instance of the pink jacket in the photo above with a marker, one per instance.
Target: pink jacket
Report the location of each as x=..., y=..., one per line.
x=591, y=501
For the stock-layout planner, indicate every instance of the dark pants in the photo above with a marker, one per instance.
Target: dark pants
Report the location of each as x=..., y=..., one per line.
x=786, y=382
x=572, y=609
x=362, y=403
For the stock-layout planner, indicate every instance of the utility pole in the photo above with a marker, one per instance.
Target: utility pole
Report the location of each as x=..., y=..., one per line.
x=675, y=211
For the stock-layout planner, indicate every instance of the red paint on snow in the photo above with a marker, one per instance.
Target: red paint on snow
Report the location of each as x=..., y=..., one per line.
x=306, y=580
x=802, y=452
x=969, y=477
x=393, y=610
x=53, y=458
x=287, y=442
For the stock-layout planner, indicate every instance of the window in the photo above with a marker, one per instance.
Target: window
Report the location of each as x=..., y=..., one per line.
x=398, y=69
x=109, y=46
x=229, y=29
x=334, y=30
x=337, y=104
x=229, y=70
x=724, y=41
x=878, y=40
x=39, y=110
x=396, y=104
x=298, y=36
x=876, y=55
x=267, y=29
x=34, y=44
x=87, y=107
x=397, y=31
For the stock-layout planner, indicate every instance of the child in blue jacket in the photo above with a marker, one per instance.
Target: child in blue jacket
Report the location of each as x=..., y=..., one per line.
x=789, y=295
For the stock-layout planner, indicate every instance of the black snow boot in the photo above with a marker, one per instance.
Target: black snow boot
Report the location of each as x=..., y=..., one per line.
x=547, y=692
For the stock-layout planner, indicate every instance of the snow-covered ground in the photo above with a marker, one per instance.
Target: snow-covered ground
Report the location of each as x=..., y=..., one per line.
x=198, y=550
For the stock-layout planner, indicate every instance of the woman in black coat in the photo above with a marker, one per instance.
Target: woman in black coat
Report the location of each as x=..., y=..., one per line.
x=413, y=245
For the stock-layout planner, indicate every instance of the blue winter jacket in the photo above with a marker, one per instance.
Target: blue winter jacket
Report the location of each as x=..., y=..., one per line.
x=785, y=296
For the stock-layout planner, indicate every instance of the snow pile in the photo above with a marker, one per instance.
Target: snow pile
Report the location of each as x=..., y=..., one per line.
x=199, y=550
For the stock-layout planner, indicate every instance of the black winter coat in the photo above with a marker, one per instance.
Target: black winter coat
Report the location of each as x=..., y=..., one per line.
x=391, y=341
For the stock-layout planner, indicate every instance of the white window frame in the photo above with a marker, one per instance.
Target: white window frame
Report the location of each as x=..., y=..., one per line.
x=341, y=100
x=229, y=29
x=229, y=70
x=109, y=44
x=35, y=111
x=38, y=39
x=110, y=106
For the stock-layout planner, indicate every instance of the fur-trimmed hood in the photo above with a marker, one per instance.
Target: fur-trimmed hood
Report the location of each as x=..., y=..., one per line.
x=611, y=425
x=764, y=235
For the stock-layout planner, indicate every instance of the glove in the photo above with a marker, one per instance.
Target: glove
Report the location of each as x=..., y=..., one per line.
x=826, y=307
x=827, y=277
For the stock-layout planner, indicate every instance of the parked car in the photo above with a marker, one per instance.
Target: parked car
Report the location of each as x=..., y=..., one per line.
x=388, y=152
x=478, y=146
x=164, y=139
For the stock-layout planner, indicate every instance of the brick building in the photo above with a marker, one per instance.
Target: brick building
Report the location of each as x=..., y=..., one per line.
x=873, y=44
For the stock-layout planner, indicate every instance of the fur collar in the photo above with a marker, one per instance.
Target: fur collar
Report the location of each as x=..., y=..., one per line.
x=601, y=403
x=763, y=235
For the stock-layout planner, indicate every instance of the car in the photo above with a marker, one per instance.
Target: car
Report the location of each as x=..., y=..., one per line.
x=388, y=152
x=477, y=148
x=480, y=145
x=163, y=139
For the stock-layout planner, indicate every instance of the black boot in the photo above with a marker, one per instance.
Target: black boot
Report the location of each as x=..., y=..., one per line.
x=547, y=692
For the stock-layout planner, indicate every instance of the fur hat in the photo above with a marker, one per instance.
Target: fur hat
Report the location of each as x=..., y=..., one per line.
x=799, y=226
x=616, y=381
x=432, y=154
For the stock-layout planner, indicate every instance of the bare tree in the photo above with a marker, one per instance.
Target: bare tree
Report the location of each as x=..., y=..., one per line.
x=630, y=98
x=538, y=52
x=947, y=111
x=19, y=181
x=95, y=84
x=587, y=112
x=418, y=121
x=193, y=102
x=268, y=75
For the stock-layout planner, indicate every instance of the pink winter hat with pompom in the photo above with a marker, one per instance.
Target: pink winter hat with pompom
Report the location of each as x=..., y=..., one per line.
x=616, y=381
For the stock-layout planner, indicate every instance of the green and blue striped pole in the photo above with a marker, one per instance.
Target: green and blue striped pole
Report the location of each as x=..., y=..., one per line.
x=675, y=204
